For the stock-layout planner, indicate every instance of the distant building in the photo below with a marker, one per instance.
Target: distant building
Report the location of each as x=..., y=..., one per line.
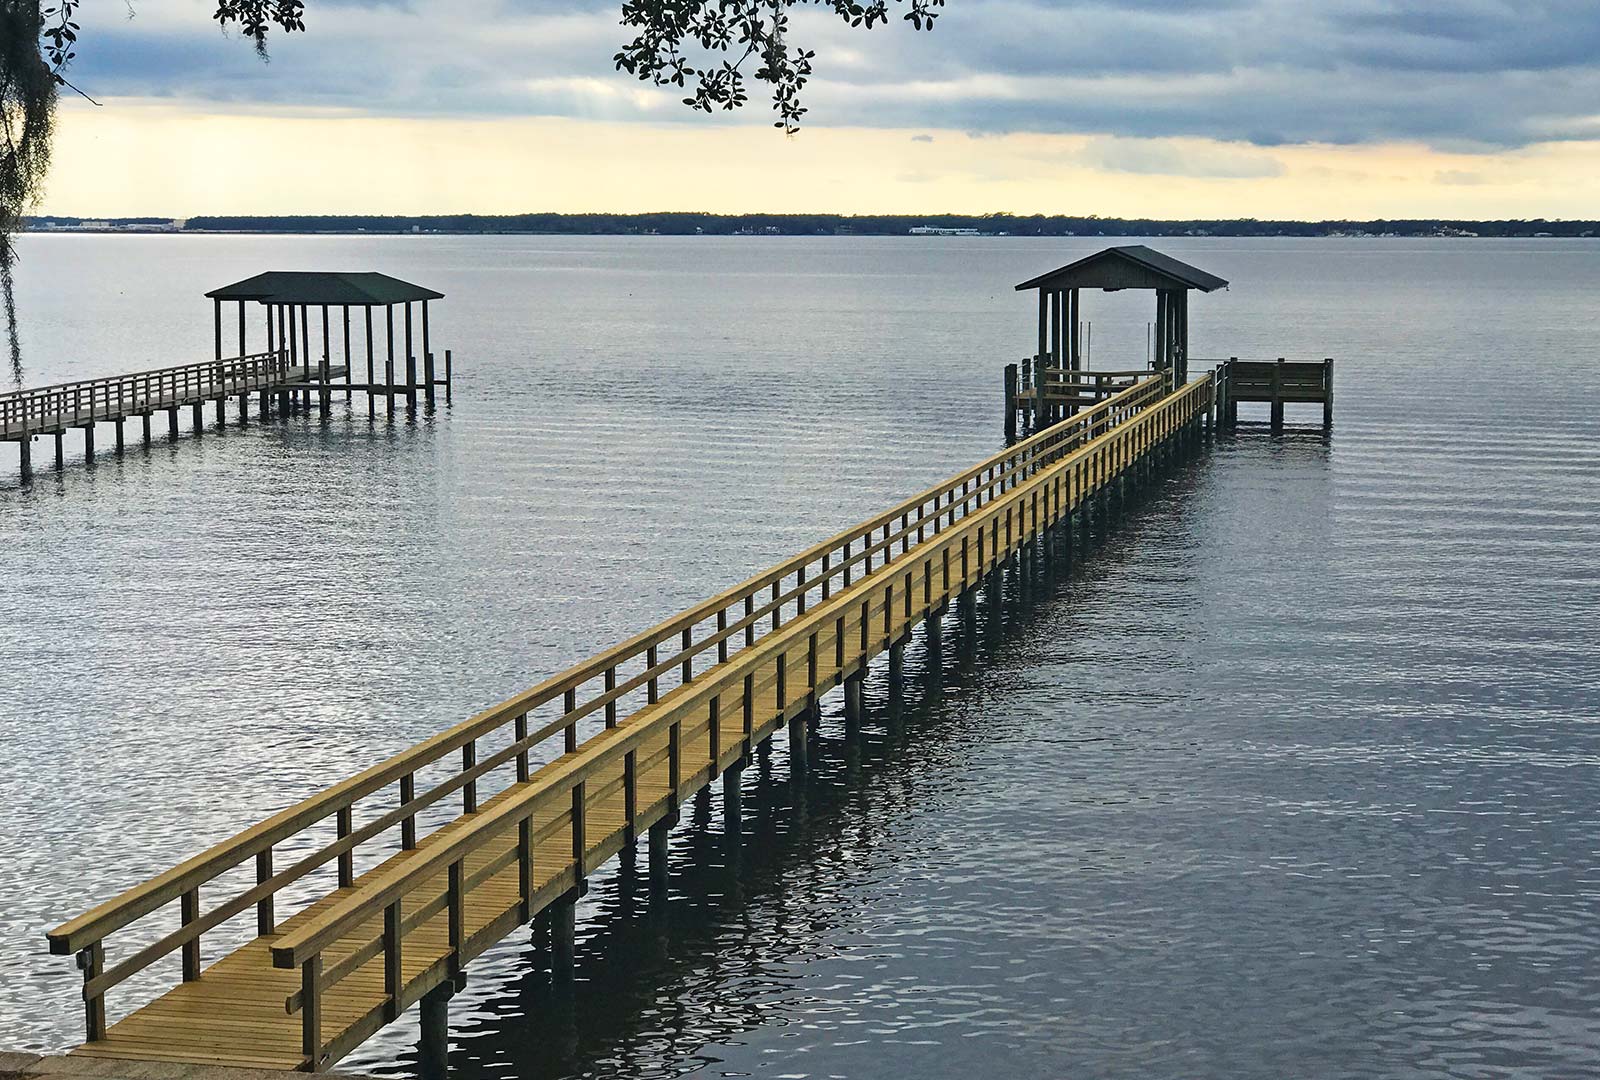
x=934, y=230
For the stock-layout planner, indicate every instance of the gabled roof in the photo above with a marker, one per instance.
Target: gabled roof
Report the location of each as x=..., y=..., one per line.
x=1132, y=266
x=309, y=287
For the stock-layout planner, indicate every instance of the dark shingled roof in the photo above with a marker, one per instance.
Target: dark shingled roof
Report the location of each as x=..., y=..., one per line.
x=1132, y=266
x=308, y=287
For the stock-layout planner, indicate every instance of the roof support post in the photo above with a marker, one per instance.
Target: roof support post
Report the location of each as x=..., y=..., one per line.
x=216, y=319
x=427, y=356
x=305, y=351
x=1075, y=329
x=372, y=399
x=345, y=311
x=411, y=364
x=324, y=370
x=242, y=350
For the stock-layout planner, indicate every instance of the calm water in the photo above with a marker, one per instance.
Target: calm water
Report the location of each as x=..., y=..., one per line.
x=1297, y=775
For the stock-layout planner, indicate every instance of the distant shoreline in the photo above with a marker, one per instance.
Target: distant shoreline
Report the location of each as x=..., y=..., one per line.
x=911, y=226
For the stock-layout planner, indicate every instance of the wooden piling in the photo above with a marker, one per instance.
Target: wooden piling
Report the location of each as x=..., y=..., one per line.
x=25, y=445
x=1277, y=396
x=1011, y=404
x=1327, y=394
x=427, y=357
x=411, y=364
x=372, y=397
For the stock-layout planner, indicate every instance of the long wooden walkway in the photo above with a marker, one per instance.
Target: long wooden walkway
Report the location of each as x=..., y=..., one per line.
x=588, y=760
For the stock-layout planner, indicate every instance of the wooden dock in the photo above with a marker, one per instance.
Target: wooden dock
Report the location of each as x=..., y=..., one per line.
x=289, y=372
x=590, y=759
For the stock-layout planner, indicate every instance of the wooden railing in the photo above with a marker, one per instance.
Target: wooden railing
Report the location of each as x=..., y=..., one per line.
x=1275, y=382
x=117, y=396
x=596, y=693
x=734, y=703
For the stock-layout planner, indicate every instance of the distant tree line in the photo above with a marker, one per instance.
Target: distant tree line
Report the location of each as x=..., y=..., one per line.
x=690, y=224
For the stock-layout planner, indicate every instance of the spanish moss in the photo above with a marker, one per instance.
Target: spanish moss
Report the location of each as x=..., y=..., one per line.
x=27, y=112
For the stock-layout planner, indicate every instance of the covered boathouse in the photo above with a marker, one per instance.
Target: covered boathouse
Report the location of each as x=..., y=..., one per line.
x=289, y=297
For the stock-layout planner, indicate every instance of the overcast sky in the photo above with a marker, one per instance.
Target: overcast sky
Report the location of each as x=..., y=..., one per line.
x=1200, y=108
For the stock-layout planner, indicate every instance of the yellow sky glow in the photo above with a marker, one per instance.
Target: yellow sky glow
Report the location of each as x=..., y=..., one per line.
x=134, y=157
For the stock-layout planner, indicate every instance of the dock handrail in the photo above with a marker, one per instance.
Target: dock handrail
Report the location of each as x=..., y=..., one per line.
x=667, y=651
x=569, y=784
x=88, y=399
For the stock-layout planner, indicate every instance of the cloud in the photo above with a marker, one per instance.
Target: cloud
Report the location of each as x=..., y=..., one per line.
x=922, y=138
x=1169, y=157
x=1453, y=74
x=1459, y=177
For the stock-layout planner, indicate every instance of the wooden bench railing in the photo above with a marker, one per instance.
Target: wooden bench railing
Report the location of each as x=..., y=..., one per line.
x=733, y=703
x=595, y=692
x=1276, y=382
x=116, y=396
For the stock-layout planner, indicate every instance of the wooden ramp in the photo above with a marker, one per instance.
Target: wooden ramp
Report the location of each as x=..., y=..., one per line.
x=625, y=738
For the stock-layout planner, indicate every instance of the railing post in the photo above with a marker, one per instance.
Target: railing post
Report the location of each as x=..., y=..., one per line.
x=520, y=732
x=714, y=733
x=652, y=689
x=92, y=961
x=525, y=867
x=569, y=702
x=630, y=792
x=188, y=912
x=408, y=824
x=580, y=836
x=749, y=710
x=393, y=979
x=1277, y=396
x=611, y=705
x=266, y=922
x=688, y=661
x=311, y=1012
x=457, y=903
x=347, y=860
x=675, y=760
x=469, y=790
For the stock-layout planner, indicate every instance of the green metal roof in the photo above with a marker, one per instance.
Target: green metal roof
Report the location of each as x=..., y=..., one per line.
x=1131, y=266
x=333, y=289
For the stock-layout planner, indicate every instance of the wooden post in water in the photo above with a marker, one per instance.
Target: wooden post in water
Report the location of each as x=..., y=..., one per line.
x=25, y=445
x=1011, y=404
x=657, y=845
x=449, y=378
x=1277, y=396
x=1327, y=394
x=348, y=366
x=372, y=395
x=324, y=370
x=427, y=357
x=305, y=349
x=434, y=1044
x=732, y=800
x=388, y=367
x=411, y=364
